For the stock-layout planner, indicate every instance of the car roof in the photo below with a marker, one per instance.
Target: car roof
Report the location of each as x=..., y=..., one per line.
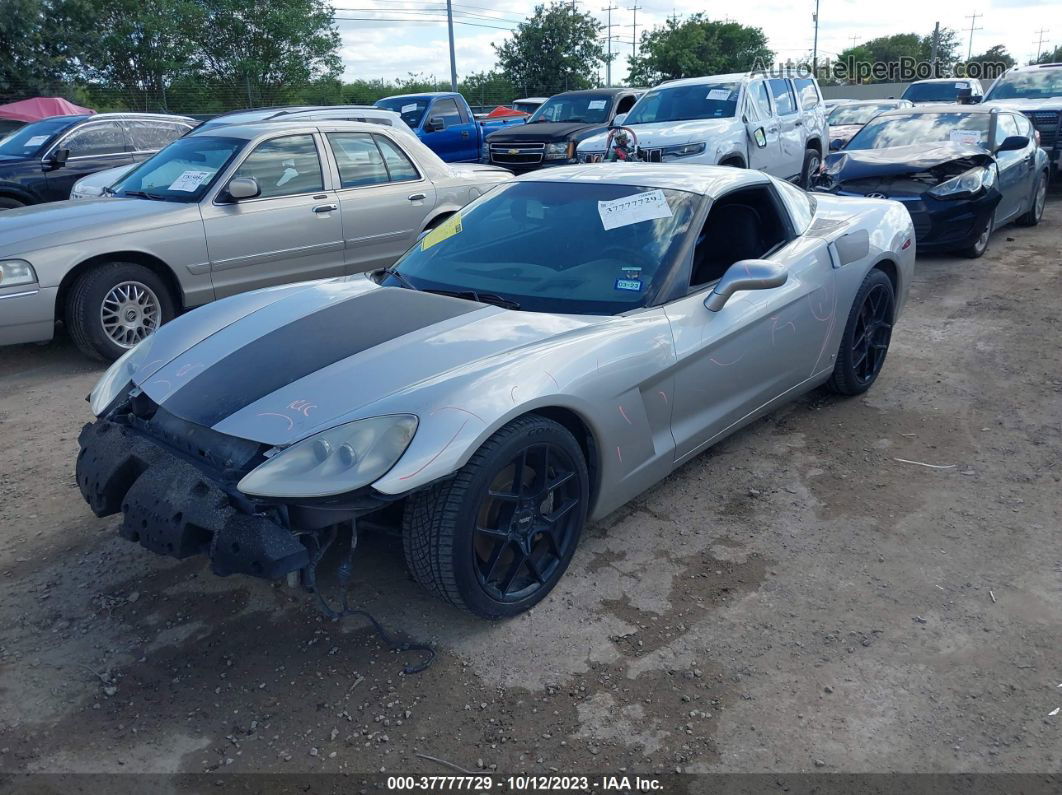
x=707, y=180
x=531, y=99
x=252, y=130
x=940, y=107
x=943, y=80
x=868, y=101
x=612, y=91
x=694, y=81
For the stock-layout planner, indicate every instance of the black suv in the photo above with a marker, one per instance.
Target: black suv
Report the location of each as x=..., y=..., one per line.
x=41, y=161
x=553, y=132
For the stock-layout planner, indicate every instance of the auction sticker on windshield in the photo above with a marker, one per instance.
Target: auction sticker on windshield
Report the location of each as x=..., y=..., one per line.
x=190, y=180
x=36, y=140
x=447, y=229
x=970, y=137
x=409, y=108
x=629, y=210
x=596, y=104
x=719, y=93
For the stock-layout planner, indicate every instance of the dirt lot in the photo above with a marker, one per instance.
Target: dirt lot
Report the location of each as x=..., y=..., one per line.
x=796, y=599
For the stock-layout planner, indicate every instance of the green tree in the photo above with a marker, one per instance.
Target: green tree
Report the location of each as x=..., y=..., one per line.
x=487, y=88
x=258, y=51
x=142, y=46
x=40, y=43
x=694, y=47
x=1051, y=56
x=990, y=64
x=899, y=47
x=554, y=50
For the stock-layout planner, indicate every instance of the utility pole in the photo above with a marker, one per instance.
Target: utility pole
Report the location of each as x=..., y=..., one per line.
x=634, y=35
x=453, y=60
x=815, y=46
x=608, y=36
x=973, y=21
x=933, y=53
x=1040, y=42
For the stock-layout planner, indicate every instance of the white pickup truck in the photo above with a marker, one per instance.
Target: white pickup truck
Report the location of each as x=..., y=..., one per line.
x=748, y=120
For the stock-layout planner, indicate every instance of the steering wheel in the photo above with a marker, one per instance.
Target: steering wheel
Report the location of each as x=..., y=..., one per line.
x=612, y=134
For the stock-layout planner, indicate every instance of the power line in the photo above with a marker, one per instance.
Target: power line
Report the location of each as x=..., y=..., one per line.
x=608, y=28
x=973, y=21
x=634, y=32
x=1040, y=42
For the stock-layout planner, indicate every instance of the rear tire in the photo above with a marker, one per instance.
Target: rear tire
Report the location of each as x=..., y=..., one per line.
x=867, y=334
x=1036, y=211
x=466, y=539
x=113, y=306
x=812, y=161
x=10, y=204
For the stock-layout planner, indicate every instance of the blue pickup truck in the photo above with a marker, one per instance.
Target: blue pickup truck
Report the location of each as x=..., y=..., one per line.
x=444, y=121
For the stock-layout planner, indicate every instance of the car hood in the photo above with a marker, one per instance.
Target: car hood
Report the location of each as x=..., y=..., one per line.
x=666, y=133
x=550, y=132
x=1026, y=105
x=277, y=365
x=844, y=131
x=476, y=171
x=59, y=223
x=862, y=163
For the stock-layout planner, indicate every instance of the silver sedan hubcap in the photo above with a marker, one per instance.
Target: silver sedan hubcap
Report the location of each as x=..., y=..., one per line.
x=130, y=312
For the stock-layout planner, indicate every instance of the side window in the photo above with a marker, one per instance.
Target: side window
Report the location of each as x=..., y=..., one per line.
x=809, y=95
x=758, y=99
x=1006, y=125
x=446, y=109
x=625, y=105
x=359, y=161
x=150, y=136
x=1025, y=127
x=95, y=140
x=741, y=225
x=783, y=96
x=800, y=205
x=398, y=165
x=284, y=166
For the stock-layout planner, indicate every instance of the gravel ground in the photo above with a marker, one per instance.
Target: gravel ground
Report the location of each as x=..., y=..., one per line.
x=796, y=599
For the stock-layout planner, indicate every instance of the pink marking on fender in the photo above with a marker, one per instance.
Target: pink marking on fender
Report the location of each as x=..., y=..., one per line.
x=302, y=406
x=555, y=381
x=432, y=459
x=625, y=415
x=290, y=421
x=186, y=369
x=713, y=360
x=619, y=454
x=662, y=394
x=512, y=393
x=457, y=408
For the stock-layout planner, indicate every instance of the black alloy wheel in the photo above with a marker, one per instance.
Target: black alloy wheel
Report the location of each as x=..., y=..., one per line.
x=867, y=335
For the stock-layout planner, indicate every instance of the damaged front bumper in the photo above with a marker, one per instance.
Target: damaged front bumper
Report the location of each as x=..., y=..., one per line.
x=177, y=501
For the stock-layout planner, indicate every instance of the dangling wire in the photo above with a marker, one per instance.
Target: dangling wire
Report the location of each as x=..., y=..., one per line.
x=345, y=575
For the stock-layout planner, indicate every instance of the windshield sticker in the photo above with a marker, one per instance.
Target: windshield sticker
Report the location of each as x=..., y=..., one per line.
x=632, y=285
x=719, y=93
x=190, y=180
x=596, y=104
x=409, y=108
x=967, y=137
x=36, y=140
x=447, y=229
x=961, y=85
x=633, y=209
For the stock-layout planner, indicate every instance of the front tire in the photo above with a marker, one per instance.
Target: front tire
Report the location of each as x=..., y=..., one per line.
x=114, y=306
x=980, y=246
x=495, y=539
x=866, y=336
x=812, y=161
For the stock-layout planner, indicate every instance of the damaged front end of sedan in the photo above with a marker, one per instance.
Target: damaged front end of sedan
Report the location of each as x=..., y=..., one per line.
x=949, y=190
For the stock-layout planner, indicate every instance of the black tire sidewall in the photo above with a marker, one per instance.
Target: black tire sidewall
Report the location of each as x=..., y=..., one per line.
x=462, y=550
x=86, y=296
x=844, y=379
x=806, y=177
x=7, y=203
x=972, y=251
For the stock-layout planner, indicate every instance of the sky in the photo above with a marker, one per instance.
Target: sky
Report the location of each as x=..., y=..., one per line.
x=377, y=45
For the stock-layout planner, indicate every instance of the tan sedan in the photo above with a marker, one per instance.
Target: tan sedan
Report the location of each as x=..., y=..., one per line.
x=217, y=213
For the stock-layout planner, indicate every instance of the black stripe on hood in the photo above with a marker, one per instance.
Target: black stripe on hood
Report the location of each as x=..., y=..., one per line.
x=307, y=345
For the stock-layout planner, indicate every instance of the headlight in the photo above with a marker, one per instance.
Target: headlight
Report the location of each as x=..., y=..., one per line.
x=557, y=151
x=686, y=150
x=966, y=184
x=16, y=271
x=334, y=461
x=118, y=376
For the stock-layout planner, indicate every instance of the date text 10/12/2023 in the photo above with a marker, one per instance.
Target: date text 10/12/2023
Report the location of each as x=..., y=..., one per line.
x=525, y=783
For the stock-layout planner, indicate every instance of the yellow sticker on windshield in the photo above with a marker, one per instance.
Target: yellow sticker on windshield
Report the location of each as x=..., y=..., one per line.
x=448, y=228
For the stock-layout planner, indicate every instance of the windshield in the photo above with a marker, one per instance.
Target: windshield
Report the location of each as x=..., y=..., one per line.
x=566, y=247
x=1039, y=84
x=682, y=103
x=586, y=108
x=411, y=109
x=857, y=114
x=183, y=171
x=923, y=128
x=933, y=92
x=527, y=107
x=33, y=138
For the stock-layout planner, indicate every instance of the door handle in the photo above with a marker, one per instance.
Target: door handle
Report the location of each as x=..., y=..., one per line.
x=464, y=133
x=325, y=208
x=416, y=197
x=798, y=124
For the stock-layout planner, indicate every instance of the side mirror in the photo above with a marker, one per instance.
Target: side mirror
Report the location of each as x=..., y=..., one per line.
x=58, y=158
x=618, y=121
x=434, y=124
x=836, y=144
x=746, y=274
x=242, y=188
x=1013, y=143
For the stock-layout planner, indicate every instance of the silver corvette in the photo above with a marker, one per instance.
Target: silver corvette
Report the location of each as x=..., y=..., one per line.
x=538, y=360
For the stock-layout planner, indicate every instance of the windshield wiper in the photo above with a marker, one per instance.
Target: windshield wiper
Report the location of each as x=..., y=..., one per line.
x=401, y=278
x=483, y=298
x=144, y=195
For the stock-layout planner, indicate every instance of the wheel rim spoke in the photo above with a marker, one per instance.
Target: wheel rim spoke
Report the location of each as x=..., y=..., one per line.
x=129, y=312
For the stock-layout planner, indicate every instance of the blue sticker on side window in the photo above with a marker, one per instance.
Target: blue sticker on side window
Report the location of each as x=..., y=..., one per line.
x=634, y=285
